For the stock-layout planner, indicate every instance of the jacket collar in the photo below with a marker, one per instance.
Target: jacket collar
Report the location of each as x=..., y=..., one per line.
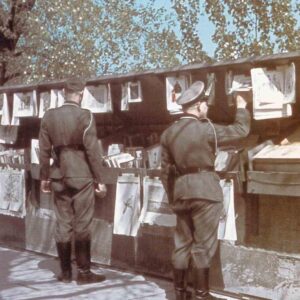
x=188, y=116
x=71, y=103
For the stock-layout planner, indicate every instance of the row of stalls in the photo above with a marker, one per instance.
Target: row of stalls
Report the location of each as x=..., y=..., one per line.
x=133, y=225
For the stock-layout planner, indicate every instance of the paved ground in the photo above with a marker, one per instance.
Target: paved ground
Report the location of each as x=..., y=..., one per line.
x=27, y=275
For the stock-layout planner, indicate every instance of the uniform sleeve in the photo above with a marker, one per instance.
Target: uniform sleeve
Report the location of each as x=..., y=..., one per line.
x=93, y=150
x=45, y=146
x=240, y=128
x=167, y=165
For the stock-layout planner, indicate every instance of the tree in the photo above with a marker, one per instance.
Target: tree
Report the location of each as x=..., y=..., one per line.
x=188, y=17
x=253, y=27
x=13, y=15
x=89, y=37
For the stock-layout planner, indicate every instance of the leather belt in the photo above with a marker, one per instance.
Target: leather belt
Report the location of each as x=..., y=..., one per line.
x=58, y=149
x=192, y=170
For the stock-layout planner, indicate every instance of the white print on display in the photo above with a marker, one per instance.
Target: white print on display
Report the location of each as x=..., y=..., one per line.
x=154, y=156
x=134, y=91
x=25, y=104
x=227, y=225
x=47, y=100
x=156, y=210
x=237, y=82
x=35, y=151
x=127, y=205
x=273, y=91
x=124, y=97
x=12, y=192
x=97, y=98
x=57, y=98
x=131, y=93
x=5, y=117
x=211, y=86
x=175, y=86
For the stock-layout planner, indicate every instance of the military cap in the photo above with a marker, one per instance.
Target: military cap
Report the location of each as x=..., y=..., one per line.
x=74, y=85
x=195, y=91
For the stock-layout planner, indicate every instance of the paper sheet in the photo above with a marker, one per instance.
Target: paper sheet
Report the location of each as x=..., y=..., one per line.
x=227, y=225
x=127, y=205
x=156, y=210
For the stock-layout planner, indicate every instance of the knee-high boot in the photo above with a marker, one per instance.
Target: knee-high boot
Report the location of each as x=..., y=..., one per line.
x=83, y=260
x=180, y=283
x=64, y=255
x=201, y=284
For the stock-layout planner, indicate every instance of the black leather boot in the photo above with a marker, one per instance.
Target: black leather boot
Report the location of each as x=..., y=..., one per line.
x=201, y=285
x=83, y=259
x=180, y=284
x=64, y=255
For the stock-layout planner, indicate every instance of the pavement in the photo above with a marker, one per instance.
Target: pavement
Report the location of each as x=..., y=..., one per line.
x=28, y=275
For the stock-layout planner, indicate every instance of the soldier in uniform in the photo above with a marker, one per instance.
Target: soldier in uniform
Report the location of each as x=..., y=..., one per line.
x=68, y=135
x=192, y=185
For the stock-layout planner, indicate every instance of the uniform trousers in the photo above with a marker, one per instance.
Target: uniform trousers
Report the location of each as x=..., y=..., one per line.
x=74, y=210
x=196, y=231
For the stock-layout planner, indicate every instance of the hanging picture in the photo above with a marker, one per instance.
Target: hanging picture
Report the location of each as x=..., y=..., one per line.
x=211, y=86
x=154, y=156
x=127, y=205
x=57, y=98
x=46, y=102
x=134, y=91
x=273, y=91
x=175, y=86
x=25, y=104
x=35, y=152
x=124, y=97
x=5, y=117
x=227, y=225
x=237, y=82
x=97, y=98
x=12, y=192
x=156, y=210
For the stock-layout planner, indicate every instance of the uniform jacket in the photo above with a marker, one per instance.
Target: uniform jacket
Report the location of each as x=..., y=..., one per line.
x=190, y=142
x=72, y=130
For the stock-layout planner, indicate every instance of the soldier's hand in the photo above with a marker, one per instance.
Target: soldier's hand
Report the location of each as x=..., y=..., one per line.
x=101, y=190
x=45, y=186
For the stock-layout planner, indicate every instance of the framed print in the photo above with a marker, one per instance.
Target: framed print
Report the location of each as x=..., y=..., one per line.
x=175, y=86
x=134, y=91
x=25, y=104
x=97, y=98
x=45, y=103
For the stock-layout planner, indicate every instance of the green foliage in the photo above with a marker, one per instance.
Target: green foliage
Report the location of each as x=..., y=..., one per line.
x=253, y=27
x=52, y=39
x=90, y=37
x=188, y=16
